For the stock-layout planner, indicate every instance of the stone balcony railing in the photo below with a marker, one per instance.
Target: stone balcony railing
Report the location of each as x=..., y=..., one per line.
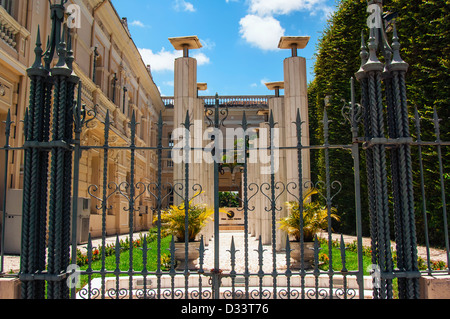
x=10, y=29
x=248, y=101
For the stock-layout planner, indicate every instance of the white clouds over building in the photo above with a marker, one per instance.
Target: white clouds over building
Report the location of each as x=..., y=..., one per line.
x=261, y=29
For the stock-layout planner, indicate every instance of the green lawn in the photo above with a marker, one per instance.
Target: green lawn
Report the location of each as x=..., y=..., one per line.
x=351, y=259
x=124, y=263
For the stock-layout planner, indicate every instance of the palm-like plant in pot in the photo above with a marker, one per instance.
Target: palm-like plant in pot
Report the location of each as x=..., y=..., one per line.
x=173, y=223
x=315, y=219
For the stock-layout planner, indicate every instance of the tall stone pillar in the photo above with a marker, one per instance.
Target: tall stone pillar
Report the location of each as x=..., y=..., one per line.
x=295, y=97
x=264, y=173
x=185, y=100
x=204, y=171
x=276, y=106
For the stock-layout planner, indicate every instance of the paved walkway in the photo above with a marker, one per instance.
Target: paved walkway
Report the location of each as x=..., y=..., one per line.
x=12, y=263
x=435, y=254
x=253, y=255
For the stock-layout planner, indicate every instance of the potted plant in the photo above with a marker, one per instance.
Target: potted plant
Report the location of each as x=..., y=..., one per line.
x=173, y=223
x=315, y=218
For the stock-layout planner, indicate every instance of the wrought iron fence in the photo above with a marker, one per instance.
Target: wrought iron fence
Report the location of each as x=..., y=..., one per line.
x=208, y=283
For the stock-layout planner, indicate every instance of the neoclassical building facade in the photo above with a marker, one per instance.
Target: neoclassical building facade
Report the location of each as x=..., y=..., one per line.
x=114, y=78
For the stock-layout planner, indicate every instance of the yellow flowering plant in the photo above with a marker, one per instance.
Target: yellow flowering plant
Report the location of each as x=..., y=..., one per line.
x=173, y=220
x=315, y=218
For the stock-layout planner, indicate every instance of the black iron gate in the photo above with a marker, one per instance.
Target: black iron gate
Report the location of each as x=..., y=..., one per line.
x=184, y=282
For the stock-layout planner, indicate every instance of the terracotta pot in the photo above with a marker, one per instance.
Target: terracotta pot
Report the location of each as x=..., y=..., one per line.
x=308, y=251
x=193, y=254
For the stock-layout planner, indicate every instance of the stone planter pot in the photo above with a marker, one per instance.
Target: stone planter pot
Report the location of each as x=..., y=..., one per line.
x=193, y=254
x=308, y=251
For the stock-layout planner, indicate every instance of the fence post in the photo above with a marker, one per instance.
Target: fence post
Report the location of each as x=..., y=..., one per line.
x=59, y=81
x=36, y=126
x=371, y=76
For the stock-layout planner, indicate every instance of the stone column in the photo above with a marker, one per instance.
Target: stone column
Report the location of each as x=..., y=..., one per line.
x=265, y=214
x=276, y=106
x=295, y=97
x=185, y=100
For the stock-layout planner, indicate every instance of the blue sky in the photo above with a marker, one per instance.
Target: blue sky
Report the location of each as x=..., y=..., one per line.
x=239, y=38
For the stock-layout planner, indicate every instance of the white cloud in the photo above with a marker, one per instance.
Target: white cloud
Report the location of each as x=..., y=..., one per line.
x=137, y=23
x=208, y=44
x=161, y=61
x=164, y=60
x=272, y=7
x=326, y=10
x=201, y=58
x=264, y=81
x=262, y=32
x=181, y=5
x=261, y=29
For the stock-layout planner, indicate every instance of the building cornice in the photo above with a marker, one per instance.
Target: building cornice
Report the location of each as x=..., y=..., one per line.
x=13, y=63
x=130, y=53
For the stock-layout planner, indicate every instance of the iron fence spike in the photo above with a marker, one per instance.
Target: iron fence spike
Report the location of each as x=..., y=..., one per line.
x=38, y=51
x=271, y=120
x=364, y=54
x=244, y=121
x=298, y=120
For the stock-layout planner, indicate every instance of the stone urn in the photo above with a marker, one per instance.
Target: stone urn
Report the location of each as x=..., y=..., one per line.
x=308, y=251
x=193, y=254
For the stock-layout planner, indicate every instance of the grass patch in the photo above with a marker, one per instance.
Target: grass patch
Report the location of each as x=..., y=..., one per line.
x=351, y=259
x=124, y=261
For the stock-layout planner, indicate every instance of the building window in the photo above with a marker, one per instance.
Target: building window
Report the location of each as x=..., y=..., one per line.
x=169, y=153
x=8, y=5
x=97, y=69
x=170, y=140
x=114, y=88
x=125, y=90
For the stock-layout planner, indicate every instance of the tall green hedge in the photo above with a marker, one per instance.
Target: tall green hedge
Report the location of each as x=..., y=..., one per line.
x=423, y=28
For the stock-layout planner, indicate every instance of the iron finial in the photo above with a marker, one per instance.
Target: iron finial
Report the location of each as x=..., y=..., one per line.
x=38, y=50
x=373, y=64
x=397, y=63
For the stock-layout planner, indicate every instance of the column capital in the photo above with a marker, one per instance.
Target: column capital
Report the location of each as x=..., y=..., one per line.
x=293, y=43
x=275, y=86
x=186, y=43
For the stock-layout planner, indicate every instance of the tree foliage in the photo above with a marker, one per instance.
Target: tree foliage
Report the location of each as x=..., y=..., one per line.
x=423, y=28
